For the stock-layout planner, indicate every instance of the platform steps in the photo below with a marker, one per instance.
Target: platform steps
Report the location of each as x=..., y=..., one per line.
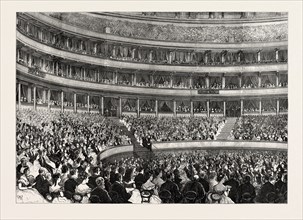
x=226, y=130
x=139, y=151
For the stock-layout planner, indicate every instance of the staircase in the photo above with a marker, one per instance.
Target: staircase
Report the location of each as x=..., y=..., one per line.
x=139, y=151
x=228, y=126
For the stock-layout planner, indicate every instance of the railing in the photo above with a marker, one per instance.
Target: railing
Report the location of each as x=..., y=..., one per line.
x=145, y=67
x=201, y=145
x=126, y=90
x=189, y=58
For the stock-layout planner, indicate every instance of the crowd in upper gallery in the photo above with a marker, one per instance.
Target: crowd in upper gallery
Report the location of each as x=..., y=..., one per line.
x=133, y=53
x=40, y=66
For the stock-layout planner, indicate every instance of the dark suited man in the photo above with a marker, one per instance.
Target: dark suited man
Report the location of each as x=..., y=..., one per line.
x=119, y=188
x=267, y=188
x=196, y=186
x=233, y=193
x=41, y=184
x=246, y=187
x=100, y=193
x=71, y=184
x=140, y=178
x=171, y=187
x=92, y=179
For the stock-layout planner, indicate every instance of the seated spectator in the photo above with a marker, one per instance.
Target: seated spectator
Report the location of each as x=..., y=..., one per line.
x=99, y=194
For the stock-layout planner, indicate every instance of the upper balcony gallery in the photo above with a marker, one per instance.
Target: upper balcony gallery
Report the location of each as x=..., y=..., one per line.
x=269, y=49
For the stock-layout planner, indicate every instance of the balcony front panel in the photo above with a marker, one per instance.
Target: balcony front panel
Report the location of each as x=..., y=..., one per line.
x=149, y=67
x=273, y=34
x=138, y=91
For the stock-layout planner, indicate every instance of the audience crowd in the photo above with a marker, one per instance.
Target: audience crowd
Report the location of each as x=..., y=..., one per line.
x=168, y=32
x=58, y=161
x=261, y=128
x=174, y=129
x=205, y=176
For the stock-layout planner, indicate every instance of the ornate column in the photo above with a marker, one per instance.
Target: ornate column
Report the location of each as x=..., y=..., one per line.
x=175, y=108
x=29, y=94
x=240, y=80
x=224, y=108
x=48, y=98
x=260, y=107
x=30, y=59
x=88, y=103
x=133, y=53
x=114, y=51
x=278, y=106
x=95, y=48
x=120, y=107
x=34, y=91
x=75, y=102
x=277, y=55
x=116, y=77
x=18, y=54
x=138, y=107
x=190, y=80
x=259, y=80
x=134, y=79
x=152, y=79
x=223, y=81
x=277, y=79
x=191, y=108
x=102, y=105
x=207, y=106
x=19, y=95
x=62, y=100
x=84, y=73
x=242, y=104
x=156, y=107
x=170, y=57
x=171, y=80
x=207, y=80
x=44, y=96
x=150, y=58
x=259, y=56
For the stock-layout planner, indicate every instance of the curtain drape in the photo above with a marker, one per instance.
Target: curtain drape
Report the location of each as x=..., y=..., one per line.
x=166, y=106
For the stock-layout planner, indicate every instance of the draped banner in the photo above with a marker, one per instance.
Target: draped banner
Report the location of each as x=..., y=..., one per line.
x=95, y=100
x=39, y=93
x=55, y=96
x=147, y=105
x=282, y=55
x=125, y=77
x=250, y=80
x=24, y=89
x=183, y=106
x=69, y=97
x=200, y=106
x=251, y=105
x=129, y=105
x=215, y=80
x=269, y=105
x=165, y=106
x=143, y=79
x=268, y=56
x=162, y=80
x=233, y=105
x=283, y=105
x=250, y=57
x=231, y=81
x=216, y=106
x=268, y=79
